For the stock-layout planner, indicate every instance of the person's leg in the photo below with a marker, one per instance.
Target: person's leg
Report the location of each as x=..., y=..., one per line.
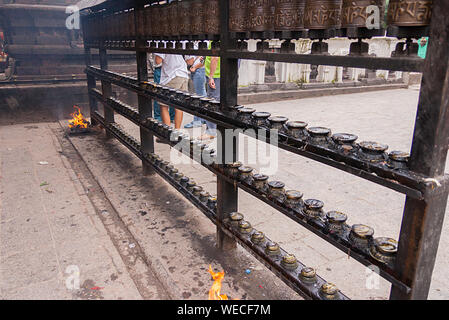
x=182, y=84
x=171, y=111
x=178, y=118
x=157, y=79
x=165, y=115
x=199, y=80
x=157, y=111
x=211, y=128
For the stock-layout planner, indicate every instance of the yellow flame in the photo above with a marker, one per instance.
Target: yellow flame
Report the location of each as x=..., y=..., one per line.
x=214, y=292
x=78, y=120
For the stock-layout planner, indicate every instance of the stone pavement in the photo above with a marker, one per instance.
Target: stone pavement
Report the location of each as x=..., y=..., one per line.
x=386, y=117
x=50, y=233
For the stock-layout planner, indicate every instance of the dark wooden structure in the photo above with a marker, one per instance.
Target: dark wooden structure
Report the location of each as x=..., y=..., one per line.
x=420, y=176
x=44, y=70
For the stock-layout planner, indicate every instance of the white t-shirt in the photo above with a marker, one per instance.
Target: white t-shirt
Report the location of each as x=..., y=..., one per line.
x=196, y=58
x=173, y=66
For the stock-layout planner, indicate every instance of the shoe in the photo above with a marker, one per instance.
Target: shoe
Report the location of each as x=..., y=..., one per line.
x=193, y=124
x=206, y=137
x=158, y=140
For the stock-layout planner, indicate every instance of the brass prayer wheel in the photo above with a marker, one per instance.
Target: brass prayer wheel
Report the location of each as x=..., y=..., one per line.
x=260, y=15
x=272, y=249
x=245, y=227
x=140, y=22
x=313, y=208
x=211, y=16
x=354, y=12
x=164, y=20
x=131, y=25
x=232, y=169
x=257, y=237
x=361, y=235
x=329, y=291
x=260, y=118
x=289, y=15
x=277, y=122
x=398, y=159
x=196, y=17
x=296, y=129
x=159, y=21
x=344, y=142
x=147, y=31
x=322, y=14
x=184, y=181
x=335, y=221
x=319, y=134
x=276, y=190
x=173, y=21
x=384, y=249
x=190, y=185
x=235, y=218
x=289, y=262
x=260, y=182
x=308, y=275
x=212, y=203
x=184, y=14
x=409, y=12
x=293, y=199
x=204, y=196
x=245, y=174
x=238, y=15
x=373, y=151
x=245, y=114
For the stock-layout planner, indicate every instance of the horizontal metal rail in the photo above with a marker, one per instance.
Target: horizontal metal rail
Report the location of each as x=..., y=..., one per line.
x=273, y=263
x=376, y=63
x=339, y=241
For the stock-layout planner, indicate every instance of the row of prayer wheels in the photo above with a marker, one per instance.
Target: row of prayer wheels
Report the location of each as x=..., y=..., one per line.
x=262, y=18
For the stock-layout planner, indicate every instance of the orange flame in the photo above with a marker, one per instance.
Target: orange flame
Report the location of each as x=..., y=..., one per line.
x=78, y=120
x=214, y=292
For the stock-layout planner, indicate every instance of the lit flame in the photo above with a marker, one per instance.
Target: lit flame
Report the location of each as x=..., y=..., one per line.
x=214, y=292
x=78, y=120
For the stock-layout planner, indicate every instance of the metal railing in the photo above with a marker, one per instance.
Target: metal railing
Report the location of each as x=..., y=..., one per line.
x=408, y=264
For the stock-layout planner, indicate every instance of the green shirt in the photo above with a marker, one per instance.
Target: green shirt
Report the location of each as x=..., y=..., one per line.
x=207, y=65
x=422, y=49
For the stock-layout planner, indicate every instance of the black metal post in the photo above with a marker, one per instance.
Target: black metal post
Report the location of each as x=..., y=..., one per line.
x=91, y=84
x=423, y=220
x=227, y=193
x=145, y=104
x=106, y=89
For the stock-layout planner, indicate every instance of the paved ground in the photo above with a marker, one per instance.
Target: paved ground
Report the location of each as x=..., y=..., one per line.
x=50, y=231
x=173, y=240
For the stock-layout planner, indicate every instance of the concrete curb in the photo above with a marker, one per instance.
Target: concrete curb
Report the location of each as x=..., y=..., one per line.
x=271, y=96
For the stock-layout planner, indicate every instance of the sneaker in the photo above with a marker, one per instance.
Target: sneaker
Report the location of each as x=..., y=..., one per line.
x=193, y=124
x=206, y=137
x=158, y=140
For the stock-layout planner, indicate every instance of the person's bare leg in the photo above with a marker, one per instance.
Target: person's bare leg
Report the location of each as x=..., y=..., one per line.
x=178, y=118
x=165, y=114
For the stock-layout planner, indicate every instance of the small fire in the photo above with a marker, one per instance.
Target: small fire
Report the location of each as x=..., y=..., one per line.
x=214, y=292
x=78, y=121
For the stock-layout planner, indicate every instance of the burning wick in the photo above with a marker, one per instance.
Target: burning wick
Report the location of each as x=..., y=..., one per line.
x=214, y=292
x=78, y=121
